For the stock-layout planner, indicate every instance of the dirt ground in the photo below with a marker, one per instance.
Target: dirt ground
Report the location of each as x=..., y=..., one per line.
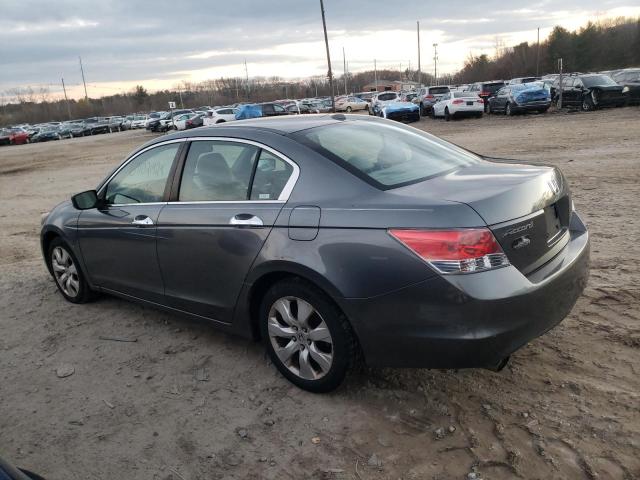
x=185, y=402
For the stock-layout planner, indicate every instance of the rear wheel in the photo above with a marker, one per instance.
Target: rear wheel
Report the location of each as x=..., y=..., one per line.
x=487, y=108
x=307, y=337
x=447, y=116
x=349, y=109
x=587, y=104
x=67, y=273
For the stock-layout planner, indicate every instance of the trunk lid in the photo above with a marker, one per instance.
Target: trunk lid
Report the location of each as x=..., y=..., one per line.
x=527, y=207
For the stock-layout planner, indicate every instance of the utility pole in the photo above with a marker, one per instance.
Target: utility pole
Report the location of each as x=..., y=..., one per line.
x=326, y=43
x=435, y=63
x=419, y=72
x=86, y=97
x=538, y=54
x=64, y=89
x=344, y=61
x=560, y=83
x=180, y=93
x=375, y=73
x=246, y=73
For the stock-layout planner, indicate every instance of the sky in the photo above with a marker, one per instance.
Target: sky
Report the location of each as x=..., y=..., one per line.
x=161, y=43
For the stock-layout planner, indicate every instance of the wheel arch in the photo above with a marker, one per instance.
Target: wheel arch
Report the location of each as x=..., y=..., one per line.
x=268, y=275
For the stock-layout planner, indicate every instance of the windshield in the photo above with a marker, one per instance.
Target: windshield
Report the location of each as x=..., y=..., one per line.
x=388, y=156
x=528, y=86
x=594, y=80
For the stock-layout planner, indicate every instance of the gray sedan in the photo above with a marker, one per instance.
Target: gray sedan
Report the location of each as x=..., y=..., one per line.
x=330, y=237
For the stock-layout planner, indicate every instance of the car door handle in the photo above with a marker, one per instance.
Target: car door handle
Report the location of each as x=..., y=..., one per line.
x=142, y=221
x=246, y=219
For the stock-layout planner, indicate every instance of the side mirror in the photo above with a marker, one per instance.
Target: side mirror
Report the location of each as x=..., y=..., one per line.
x=85, y=200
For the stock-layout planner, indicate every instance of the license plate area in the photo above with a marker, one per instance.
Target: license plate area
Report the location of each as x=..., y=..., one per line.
x=553, y=223
x=470, y=104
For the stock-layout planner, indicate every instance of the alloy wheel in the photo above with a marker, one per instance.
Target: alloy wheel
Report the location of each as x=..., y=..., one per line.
x=300, y=338
x=65, y=272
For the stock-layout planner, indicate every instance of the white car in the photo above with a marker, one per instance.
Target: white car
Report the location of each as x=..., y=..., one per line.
x=180, y=121
x=381, y=99
x=458, y=104
x=138, y=121
x=219, y=115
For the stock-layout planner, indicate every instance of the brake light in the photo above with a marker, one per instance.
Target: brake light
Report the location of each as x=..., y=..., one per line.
x=457, y=102
x=463, y=250
x=430, y=96
x=485, y=94
x=479, y=100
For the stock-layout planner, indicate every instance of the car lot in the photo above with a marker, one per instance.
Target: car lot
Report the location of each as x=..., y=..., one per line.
x=183, y=401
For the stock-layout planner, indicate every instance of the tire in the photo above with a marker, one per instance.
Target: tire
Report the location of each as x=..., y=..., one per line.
x=487, y=108
x=59, y=137
x=60, y=256
x=349, y=109
x=507, y=110
x=587, y=104
x=329, y=357
x=423, y=112
x=447, y=116
x=433, y=114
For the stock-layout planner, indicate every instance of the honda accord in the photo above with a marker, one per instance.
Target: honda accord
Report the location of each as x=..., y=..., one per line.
x=331, y=237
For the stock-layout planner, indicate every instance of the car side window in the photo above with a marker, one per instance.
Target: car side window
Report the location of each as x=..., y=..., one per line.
x=217, y=171
x=143, y=179
x=278, y=108
x=272, y=174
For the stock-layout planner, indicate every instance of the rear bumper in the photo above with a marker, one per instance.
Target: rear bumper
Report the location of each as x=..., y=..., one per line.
x=475, y=320
x=531, y=106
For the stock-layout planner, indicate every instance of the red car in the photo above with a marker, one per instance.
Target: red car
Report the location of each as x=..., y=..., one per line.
x=18, y=136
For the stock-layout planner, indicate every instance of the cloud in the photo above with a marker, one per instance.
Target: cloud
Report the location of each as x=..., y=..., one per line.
x=157, y=43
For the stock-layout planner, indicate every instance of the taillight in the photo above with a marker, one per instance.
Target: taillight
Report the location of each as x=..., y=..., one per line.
x=485, y=94
x=464, y=250
x=479, y=100
x=457, y=102
x=430, y=97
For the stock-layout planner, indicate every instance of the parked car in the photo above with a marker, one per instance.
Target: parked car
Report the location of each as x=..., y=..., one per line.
x=316, y=106
x=458, y=104
x=76, y=128
x=115, y=124
x=629, y=80
x=138, y=121
x=47, y=133
x=165, y=122
x=446, y=260
x=219, y=115
x=180, y=121
x=428, y=96
x=590, y=91
x=519, y=80
x=520, y=98
x=486, y=90
x=18, y=136
x=195, y=121
x=349, y=104
x=64, y=130
x=153, y=116
x=95, y=125
x=256, y=110
x=380, y=99
x=400, y=111
x=5, y=136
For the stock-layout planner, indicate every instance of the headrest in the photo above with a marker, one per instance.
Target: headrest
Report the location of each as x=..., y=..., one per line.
x=215, y=166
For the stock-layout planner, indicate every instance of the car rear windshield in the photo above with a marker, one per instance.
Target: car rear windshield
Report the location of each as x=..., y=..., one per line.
x=492, y=87
x=386, y=155
x=464, y=94
x=438, y=90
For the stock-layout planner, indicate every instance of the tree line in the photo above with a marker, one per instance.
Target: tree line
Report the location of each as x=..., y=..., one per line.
x=595, y=47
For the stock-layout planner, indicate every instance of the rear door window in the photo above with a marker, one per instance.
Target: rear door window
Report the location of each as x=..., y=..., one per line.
x=217, y=171
x=271, y=176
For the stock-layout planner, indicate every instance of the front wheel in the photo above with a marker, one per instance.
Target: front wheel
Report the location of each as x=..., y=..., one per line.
x=349, y=109
x=67, y=273
x=587, y=104
x=508, y=111
x=307, y=337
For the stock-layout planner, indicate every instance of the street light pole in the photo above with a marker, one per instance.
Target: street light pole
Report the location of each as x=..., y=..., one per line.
x=435, y=63
x=419, y=71
x=326, y=42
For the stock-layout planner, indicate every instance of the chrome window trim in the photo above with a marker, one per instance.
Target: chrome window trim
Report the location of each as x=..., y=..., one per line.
x=288, y=187
x=130, y=159
x=205, y=202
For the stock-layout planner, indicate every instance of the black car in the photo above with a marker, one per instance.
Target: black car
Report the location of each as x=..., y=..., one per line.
x=590, y=91
x=629, y=80
x=195, y=122
x=96, y=125
x=330, y=237
x=5, y=136
x=47, y=133
x=76, y=128
x=520, y=98
x=486, y=90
